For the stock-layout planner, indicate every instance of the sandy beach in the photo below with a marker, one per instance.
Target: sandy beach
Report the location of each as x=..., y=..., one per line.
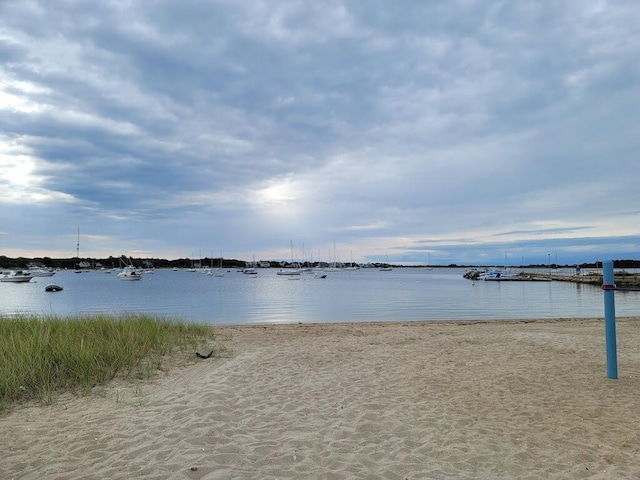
x=446, y=400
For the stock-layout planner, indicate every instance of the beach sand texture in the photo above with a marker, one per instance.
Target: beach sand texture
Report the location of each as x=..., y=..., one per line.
x=446, y=400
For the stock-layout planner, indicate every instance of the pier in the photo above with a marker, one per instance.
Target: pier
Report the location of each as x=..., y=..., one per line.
x=623, y=280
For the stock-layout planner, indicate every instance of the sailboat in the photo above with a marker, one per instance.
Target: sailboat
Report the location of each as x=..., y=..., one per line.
x=352, y=266
x=294, y=269
x=429, y=267
x=250, y=268
x=386, y=267
x=219, y=271
x=333, y=267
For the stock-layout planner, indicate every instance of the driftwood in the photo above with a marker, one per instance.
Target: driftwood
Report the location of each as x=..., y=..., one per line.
x=204, y=352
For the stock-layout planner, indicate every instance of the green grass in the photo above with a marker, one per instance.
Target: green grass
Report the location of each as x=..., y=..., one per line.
x=43, y=356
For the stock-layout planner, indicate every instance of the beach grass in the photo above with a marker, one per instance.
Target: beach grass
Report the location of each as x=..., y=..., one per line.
x=41, y=356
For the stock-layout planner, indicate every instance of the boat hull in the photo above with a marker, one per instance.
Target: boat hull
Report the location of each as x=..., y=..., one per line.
x=15, y=276
x=15, y=279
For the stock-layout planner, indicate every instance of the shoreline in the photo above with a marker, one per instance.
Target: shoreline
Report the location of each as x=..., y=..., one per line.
x=453, y=321
x=431, y=399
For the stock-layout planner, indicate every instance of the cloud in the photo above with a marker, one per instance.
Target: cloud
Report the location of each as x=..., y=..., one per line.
x=456, y=129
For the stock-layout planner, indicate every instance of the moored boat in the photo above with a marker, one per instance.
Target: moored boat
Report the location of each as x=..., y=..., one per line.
x=289, y=271
x=41, y=272
x=294, y=269
x=129, y=273
x=15, y=276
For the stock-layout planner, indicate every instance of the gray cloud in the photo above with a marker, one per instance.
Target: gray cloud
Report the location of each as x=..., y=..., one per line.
x=456, y=129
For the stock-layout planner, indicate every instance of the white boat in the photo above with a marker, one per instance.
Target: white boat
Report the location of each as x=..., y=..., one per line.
x=250, y=271
x=294, y=269
x=41, y=272
x=386, y=267
x=289, y=271
x=352, y=266
x=334, y=266
x=218, y=272
x=490, y=274
x=15, y=276
x=129, y=273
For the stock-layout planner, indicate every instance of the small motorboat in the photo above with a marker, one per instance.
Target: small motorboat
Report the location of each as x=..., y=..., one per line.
x=53, y=288
x=15, y=276
x=41, y=272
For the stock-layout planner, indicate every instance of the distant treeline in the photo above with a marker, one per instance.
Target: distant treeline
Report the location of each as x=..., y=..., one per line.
x=115, y=262
x=616, y=264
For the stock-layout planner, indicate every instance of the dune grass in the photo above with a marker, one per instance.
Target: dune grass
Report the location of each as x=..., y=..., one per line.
x=41, y=356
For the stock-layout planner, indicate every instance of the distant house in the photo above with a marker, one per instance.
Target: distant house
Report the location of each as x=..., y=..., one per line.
x=36, y=265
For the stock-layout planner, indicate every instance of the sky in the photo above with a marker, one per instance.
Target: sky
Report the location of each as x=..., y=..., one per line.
x=416, y=132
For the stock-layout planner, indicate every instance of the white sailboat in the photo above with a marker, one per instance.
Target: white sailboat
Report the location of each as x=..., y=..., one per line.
x=386, y=267
x=352, y=266
x=219, y=271
x=334, y=266
x=294, y=269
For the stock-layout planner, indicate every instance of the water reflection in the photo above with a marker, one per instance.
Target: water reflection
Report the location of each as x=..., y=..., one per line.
x=364, y=295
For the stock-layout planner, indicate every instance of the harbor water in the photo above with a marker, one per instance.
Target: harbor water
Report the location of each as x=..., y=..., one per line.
x=365, y=295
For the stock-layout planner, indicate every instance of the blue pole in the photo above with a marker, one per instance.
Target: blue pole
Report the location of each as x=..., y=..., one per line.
x=610, y=318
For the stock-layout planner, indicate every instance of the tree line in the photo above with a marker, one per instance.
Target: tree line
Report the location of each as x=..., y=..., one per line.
x=115, y=262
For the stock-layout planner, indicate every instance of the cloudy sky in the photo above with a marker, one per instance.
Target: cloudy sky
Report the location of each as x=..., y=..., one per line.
x=442, y=131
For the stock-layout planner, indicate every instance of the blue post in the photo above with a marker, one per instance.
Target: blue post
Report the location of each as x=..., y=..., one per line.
x=610, y=318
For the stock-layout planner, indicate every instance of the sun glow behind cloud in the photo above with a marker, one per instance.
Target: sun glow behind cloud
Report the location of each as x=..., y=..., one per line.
x=512, y=126
x=19, y=180
x=278, y=201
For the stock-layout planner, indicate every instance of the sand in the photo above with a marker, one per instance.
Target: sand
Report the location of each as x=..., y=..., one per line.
x=448, y=400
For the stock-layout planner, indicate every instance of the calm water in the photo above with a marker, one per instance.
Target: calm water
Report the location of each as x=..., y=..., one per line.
x=364, y=295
